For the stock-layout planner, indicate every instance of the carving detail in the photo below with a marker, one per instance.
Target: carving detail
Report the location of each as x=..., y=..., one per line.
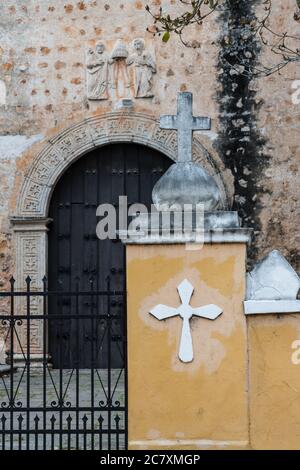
x=122, y=74
x=120, y=79
x=30, y=205
x=97, y=72
x=30, y=246
x=145, y=67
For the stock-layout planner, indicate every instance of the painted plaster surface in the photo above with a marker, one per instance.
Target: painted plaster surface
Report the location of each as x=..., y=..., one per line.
x=190, y=404
x=274, y=382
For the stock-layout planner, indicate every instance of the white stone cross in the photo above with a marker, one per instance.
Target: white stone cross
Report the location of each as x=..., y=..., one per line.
x=162, y=312
x=185, y=123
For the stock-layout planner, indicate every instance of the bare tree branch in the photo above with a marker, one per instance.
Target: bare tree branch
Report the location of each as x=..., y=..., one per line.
x=282, y=44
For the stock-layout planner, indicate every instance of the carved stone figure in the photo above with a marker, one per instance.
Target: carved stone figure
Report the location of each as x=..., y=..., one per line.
x=145, y=67
x=97, y=70
x=110, y=75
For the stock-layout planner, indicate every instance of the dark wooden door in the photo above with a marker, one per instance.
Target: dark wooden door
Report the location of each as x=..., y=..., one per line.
x=76, y=255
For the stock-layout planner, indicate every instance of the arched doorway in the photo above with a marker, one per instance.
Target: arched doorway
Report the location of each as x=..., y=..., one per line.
x=77, y=256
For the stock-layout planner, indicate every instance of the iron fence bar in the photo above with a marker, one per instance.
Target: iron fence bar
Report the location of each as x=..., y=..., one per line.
x=36, y=435
x=65, y=431
x=60, y=403
x=84, y=420
x=109, y=363
x=58, y=317
x=69, y=422
x=125, y=364
x=117, y=382
x=20, y=421
x=117, y=421
x=28, y=281
x=100, y=420
x=52, y=433
x=35, y=429
x=3, y=433
x=93, y=345
x=56, y=293
x=45, y=361
x=12, y=329
x=49, y=409
x=66, y=389
x=77, y=362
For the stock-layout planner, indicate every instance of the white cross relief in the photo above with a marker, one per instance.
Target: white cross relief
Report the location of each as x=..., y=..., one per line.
x=185, y=123
x=162, y=312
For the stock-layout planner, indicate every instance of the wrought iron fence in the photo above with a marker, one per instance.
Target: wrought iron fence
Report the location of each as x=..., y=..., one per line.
x=67, y=383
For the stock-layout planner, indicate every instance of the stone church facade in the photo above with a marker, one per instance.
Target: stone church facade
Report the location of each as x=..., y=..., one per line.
x=45, y=77
x=80, y=75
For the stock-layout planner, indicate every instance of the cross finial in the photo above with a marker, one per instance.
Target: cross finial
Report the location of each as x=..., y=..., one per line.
x=185, y=123
x=162, y=312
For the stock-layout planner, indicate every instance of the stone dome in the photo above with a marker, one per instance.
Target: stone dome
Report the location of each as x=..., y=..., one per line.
x=186, y=183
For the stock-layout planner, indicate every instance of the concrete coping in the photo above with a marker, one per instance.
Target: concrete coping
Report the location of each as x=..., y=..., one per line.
x=241, y=235
x=256, y=307
x=167, y=228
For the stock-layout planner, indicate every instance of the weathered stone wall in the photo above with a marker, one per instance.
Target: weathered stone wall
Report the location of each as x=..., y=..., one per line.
x=278, y=121
x=258, y=133
x=42, y=55
x=42, y=70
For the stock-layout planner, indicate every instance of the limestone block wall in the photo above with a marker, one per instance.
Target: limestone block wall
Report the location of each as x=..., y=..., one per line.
x=254, y=138
x=43, y=90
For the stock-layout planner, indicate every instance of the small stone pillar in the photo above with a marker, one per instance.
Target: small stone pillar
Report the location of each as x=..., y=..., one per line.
x=187, y=338
x=30, y=240
x=200, y=404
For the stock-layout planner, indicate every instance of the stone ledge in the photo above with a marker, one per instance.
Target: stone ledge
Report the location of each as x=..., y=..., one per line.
x=30, y=224
x=188, y=444
x=255, y=307
x=240, y=235
x=168, y=228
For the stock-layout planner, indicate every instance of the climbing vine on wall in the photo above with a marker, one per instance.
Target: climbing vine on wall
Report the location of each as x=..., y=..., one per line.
x=284, y=45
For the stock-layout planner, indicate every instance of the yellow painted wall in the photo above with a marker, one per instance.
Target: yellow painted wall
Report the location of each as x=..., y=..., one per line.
x=274, y=382
x=202, y=404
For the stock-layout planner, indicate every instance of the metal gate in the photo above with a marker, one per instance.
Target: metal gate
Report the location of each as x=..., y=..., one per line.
x=68, y=340
x=57, y=408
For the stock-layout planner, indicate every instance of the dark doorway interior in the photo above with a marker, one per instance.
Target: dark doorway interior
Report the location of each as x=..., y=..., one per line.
x=76, y=255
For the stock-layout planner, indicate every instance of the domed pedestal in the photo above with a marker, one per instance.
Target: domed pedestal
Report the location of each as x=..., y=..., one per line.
x=186, y=183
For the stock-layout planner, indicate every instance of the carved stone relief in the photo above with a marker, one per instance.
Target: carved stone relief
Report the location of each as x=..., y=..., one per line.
x=145, y=67
x=31, y=249
x=124, y=73
x=97, y=70
x=119, y=84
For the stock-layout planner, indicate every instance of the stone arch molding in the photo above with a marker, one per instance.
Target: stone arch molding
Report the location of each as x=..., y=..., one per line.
x=79, y=139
